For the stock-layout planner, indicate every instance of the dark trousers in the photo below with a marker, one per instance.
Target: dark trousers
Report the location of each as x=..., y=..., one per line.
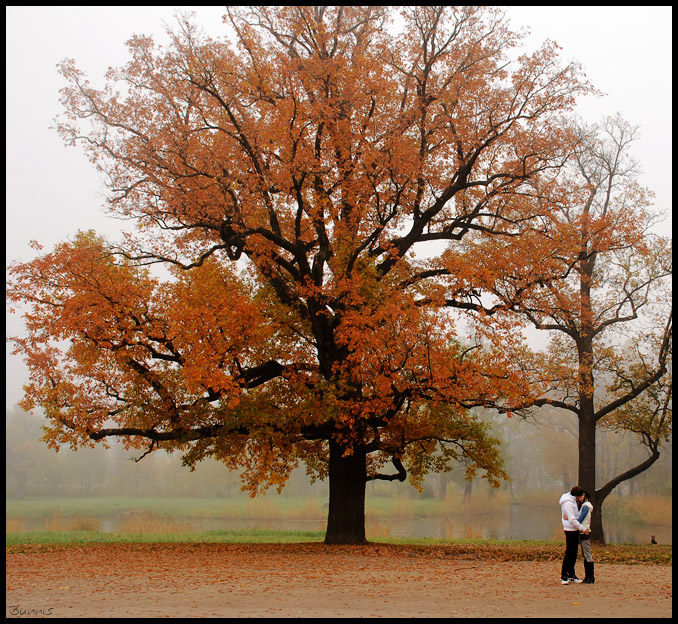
x=571, y=550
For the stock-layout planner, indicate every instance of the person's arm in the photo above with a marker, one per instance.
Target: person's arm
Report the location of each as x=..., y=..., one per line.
x=583, y=514
x=571, y=511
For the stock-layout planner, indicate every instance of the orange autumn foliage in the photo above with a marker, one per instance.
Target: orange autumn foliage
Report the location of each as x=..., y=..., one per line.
x=309, y=190
x=603, y=272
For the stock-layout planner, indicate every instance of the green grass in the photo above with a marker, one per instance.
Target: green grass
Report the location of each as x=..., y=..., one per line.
x=252, y=536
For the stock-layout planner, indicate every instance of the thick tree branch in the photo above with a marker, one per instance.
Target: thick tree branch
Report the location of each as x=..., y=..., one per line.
x=605, y=490
x=401, y=475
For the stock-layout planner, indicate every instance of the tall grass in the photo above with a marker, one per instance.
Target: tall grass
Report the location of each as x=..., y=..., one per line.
x=54, y=523
x=241, y=508
x=144, y=522
x=182, y=517
x=652, y=510
x=481, y=502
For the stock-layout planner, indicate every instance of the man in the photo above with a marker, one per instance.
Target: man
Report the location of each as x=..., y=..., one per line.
x=571, y=526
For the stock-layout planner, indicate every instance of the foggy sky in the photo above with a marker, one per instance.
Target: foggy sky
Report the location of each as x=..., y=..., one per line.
x=53, y=191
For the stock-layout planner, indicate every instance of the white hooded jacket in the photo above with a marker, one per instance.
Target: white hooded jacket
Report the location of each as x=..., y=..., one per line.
x=568, y=507
x=585, y=514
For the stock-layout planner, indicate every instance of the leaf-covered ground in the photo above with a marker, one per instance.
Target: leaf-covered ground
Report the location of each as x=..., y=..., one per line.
x=628, y=554
x=314, y=580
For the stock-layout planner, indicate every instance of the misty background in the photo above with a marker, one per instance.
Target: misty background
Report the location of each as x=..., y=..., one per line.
x=52, y=191
x=540, y=456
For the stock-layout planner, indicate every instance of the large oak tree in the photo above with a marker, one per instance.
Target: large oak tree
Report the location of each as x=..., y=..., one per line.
x=305, y=193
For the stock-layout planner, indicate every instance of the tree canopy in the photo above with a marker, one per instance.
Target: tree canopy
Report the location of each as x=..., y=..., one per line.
x=610, y=310
x=308, y=193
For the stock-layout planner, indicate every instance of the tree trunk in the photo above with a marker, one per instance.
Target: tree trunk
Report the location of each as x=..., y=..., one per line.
x=467, y=491
x=587, y=384
x=348, y=478
x=587, y=450
x=597, y=532
x=443, y=478
x=587, y=467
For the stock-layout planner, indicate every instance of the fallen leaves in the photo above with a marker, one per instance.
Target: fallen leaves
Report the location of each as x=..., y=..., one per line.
x=311, y=579
x=627, y=554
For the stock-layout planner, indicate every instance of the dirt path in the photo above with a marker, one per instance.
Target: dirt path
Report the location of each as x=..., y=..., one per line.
x=312, y=580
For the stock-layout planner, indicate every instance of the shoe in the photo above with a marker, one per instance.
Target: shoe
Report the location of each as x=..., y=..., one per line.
x=575, y=580
x=589, y=567
x=564, y=582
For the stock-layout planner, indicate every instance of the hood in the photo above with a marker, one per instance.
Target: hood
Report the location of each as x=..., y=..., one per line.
x=565, y=497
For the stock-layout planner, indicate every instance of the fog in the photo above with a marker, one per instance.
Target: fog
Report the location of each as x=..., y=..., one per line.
x=538, y=458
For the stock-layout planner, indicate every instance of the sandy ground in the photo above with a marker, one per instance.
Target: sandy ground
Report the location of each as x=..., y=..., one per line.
x=312, y=580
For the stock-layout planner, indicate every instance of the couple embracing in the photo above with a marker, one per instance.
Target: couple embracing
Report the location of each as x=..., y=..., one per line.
x=576, y=524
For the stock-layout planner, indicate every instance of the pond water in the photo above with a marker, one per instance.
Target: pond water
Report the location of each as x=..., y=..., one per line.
x=518, y=522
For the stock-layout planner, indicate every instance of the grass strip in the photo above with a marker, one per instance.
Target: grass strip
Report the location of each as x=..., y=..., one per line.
x=491, y=550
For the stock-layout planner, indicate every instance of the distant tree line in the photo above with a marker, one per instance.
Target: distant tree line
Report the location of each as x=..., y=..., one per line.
x=539, y=458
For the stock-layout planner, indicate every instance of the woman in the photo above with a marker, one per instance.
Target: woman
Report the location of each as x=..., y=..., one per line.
x=585, y=539
x=572, y=527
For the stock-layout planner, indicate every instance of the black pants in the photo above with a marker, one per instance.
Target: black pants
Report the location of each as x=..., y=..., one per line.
x=571, y=550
